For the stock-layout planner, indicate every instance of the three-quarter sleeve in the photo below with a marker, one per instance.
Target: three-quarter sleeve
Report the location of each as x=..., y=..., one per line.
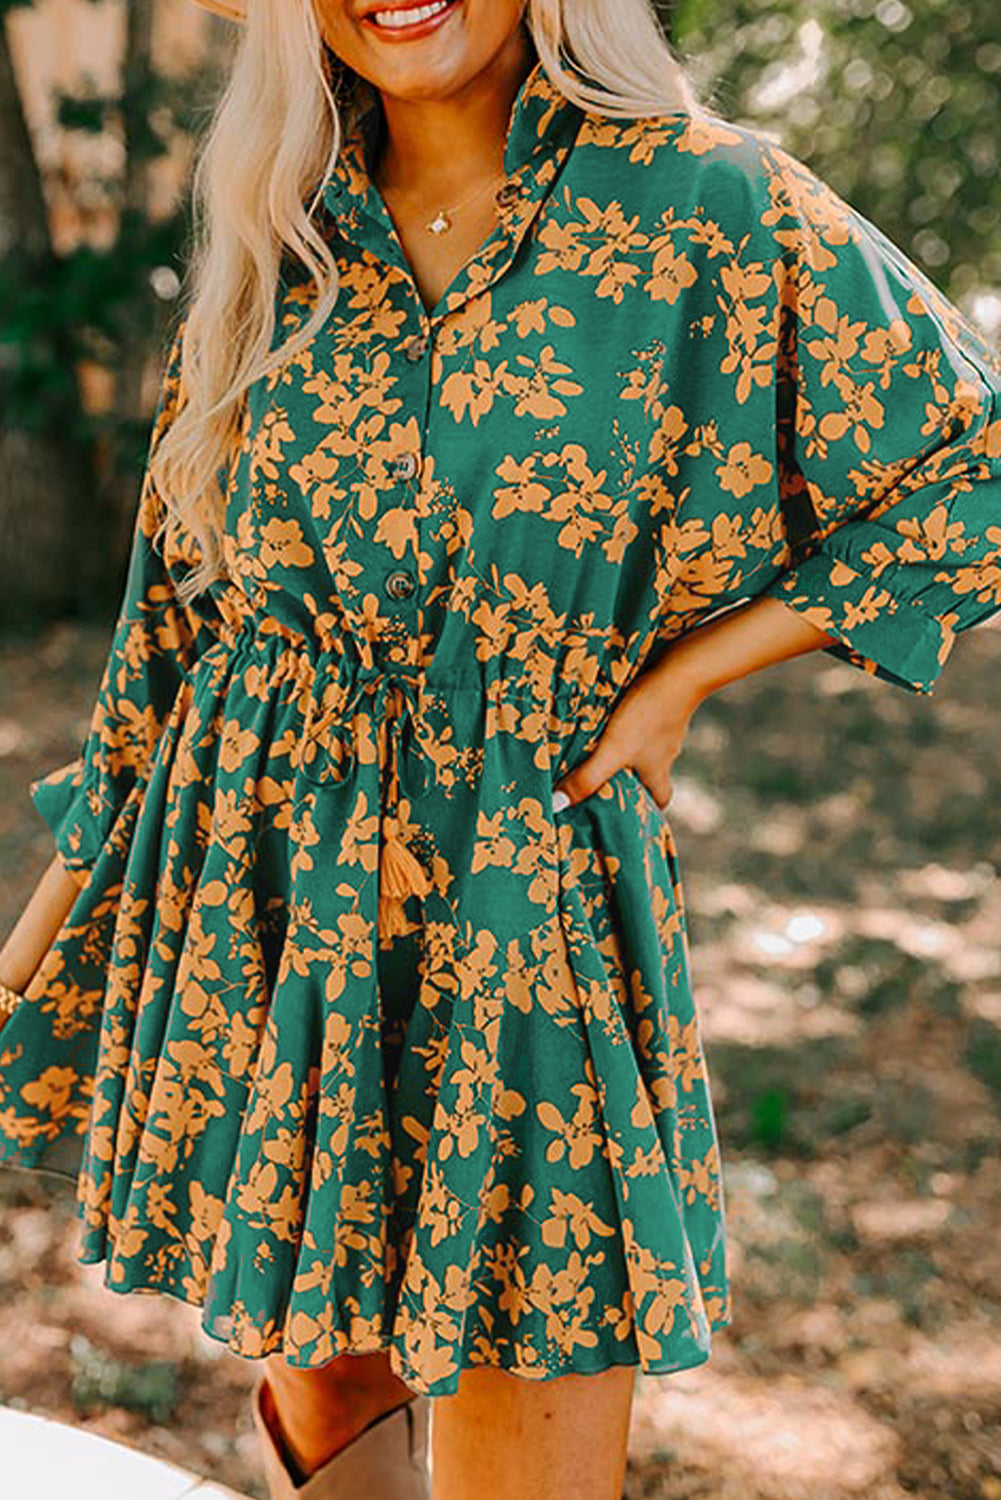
x=888, y=440
x=155, y=642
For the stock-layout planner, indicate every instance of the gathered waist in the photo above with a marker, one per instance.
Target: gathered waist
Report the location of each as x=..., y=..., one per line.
x=354, y=702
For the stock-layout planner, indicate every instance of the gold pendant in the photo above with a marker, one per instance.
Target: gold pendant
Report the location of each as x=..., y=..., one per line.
x=440, y=223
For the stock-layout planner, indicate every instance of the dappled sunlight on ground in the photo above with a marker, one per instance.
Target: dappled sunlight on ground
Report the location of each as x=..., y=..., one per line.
x=788, y=1437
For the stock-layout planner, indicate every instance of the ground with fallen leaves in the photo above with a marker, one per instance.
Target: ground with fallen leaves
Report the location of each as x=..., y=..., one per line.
x=840, y=842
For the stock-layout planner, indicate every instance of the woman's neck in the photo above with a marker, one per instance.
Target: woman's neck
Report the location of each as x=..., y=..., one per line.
x=434, y=148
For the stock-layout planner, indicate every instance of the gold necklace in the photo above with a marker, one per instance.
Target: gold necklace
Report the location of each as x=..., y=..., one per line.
x=443, y=219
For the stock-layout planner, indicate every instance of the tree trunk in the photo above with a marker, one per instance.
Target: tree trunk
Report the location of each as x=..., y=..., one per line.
x=136, y=84
x=130, y=383
x=40, y=475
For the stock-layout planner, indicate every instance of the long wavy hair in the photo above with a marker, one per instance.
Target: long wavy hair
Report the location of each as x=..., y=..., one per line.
x=260, y=171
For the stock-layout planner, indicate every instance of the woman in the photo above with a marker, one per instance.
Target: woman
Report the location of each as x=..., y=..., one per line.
x=519, y=404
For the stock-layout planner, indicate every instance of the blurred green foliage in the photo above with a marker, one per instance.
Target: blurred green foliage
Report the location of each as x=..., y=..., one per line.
x=105, y=304
x=152, y=1388
x=92, y=304
x=101, y=300
x=983, y=1056
x=895, y=103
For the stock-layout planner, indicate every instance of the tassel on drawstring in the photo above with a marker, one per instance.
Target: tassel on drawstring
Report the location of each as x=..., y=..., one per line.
x=400, y=875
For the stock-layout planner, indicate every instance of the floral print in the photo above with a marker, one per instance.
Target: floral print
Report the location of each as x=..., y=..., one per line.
x=350, y=1037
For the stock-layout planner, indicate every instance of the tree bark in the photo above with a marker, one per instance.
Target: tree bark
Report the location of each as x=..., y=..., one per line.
x=40, y=475
x=24, y=225
x=134, y=356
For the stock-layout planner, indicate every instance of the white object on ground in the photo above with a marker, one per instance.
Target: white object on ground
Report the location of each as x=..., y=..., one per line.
x=47, y=1460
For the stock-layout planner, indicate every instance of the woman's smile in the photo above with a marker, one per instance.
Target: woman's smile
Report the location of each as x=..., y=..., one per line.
x=401, y=23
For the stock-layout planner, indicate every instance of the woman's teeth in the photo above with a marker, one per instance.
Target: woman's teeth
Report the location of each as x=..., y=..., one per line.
x=410, y=17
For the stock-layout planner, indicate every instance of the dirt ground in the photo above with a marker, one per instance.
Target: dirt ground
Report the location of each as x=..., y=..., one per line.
x=841, y=846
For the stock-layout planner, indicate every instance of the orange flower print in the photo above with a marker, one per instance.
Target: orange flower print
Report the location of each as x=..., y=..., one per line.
x=743, y=470
x=576, y=1136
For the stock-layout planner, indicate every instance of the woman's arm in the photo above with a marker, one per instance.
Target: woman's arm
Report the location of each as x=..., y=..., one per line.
x=741, y=641
x=646, y=729
x=38, y=924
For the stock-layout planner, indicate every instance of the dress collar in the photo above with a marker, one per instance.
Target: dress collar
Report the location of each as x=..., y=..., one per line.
x=542, y=121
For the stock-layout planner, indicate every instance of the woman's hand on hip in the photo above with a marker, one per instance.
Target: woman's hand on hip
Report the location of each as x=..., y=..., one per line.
x=645, y=732
x=647, y=726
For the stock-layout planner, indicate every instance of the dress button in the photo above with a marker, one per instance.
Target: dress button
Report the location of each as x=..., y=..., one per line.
x=416, y=347
x=507, y=194
x=405, y=466
x=400, y=585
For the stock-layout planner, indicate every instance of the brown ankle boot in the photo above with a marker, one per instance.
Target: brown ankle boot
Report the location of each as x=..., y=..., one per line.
x=388, y=1461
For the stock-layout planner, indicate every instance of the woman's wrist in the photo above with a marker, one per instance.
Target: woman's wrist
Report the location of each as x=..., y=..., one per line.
x=693, y=666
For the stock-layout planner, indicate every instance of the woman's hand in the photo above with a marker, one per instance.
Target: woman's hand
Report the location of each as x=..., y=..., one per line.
x=644, y=731
x=646, y=728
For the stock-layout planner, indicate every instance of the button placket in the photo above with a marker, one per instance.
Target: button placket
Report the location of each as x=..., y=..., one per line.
x=401, y=584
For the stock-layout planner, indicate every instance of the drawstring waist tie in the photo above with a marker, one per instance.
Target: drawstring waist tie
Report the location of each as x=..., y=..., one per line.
x=391, y=702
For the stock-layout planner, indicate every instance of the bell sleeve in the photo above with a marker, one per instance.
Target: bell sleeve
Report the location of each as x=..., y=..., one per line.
x=155, y=642
x=888, y=440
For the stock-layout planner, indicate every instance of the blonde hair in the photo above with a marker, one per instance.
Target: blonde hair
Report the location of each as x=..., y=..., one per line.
x=267, y=155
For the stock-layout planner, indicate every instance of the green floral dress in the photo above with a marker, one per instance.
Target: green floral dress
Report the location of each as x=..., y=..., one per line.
x=350, y=1038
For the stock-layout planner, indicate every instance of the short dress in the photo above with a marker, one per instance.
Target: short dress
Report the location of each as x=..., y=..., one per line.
x=350, y=1037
